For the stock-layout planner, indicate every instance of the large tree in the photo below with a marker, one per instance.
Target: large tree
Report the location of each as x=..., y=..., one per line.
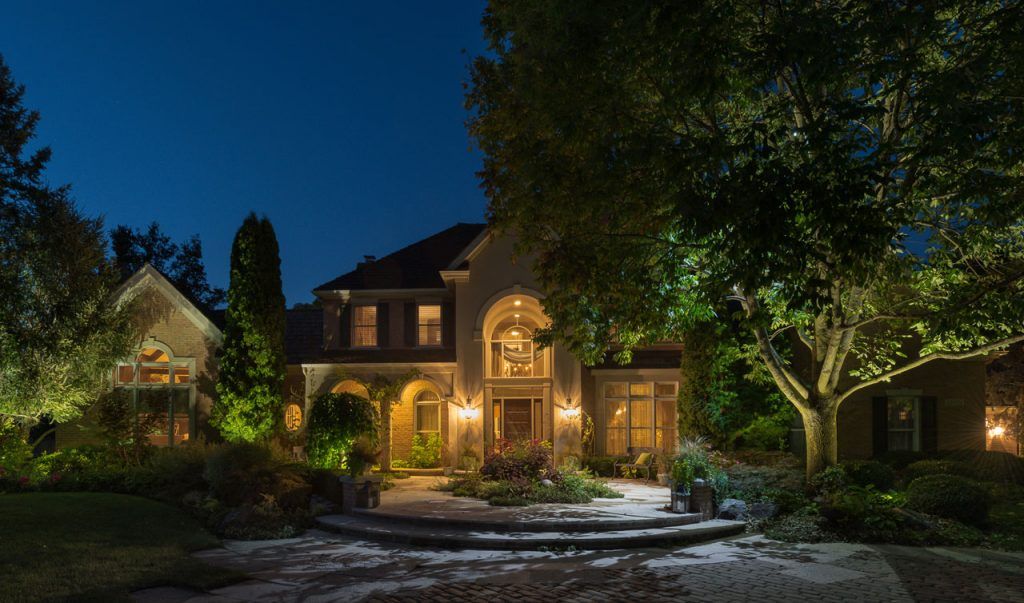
x=181, y=263
x=59, y=333
x=252, y=367
x=849, y=171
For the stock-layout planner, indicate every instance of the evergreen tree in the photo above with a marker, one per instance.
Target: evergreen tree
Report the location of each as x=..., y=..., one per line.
x=59, y=334
x=181, y=264
x=252, y=367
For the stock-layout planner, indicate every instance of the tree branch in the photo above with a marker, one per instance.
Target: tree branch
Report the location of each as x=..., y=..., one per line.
x=979, y=351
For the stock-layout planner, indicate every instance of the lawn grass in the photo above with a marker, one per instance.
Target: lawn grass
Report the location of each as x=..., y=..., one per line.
x=98, y=547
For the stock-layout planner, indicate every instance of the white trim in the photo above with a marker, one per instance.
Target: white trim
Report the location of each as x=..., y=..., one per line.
x=473, y=249
x=133, y=286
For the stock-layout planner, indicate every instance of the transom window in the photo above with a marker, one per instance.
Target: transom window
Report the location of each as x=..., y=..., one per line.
x=428, y=324
x=513, y=352
x=904, y=423
x=640, y=414
x=162, y=394
x=364, y=326
x=428, y=412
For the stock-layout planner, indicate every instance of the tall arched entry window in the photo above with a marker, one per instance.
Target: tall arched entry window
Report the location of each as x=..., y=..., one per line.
x=513, y=351
x=161, y=391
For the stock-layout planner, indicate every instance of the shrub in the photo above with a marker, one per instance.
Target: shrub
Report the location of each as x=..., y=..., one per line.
x=950, y=496
x=518, y=461
x=244, y=474
x=898, y=459
x=15, y=451
x=170, y=473
x=934, y=467
x=335, y=422
x=830, y=480
x=603, y=466
x=870, y=473
x=361, y=455
x=426, y=452
x=991, y=465
x=696, y=461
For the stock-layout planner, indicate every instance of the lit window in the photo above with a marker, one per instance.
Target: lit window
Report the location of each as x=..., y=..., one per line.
x=428, y=322
x=513, y=351
x=161, y=392
x=428, y=412
x=640, y=414
x=292, y=417
x=1002, y=429
x=904, y=423
x=364, y=327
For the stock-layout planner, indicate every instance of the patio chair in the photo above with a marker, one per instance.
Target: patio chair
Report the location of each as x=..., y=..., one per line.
x=643, y=460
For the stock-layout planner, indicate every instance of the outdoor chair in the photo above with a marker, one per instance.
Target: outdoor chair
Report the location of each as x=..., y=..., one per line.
x=643, y=460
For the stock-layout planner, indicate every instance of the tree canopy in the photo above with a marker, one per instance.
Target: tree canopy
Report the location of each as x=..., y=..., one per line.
x=59, y=333
x=181, y=263
x=849, y=171
x=252, y=367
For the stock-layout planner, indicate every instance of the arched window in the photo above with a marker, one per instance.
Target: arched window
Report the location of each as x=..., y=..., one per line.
x=350, y=386
x=513, y=352
x=428, y=412
x=162, y=393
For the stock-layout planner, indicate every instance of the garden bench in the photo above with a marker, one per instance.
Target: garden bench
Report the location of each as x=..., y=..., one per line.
x=640, y=462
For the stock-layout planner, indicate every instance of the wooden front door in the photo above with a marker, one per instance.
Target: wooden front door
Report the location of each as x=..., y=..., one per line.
x=517, y=419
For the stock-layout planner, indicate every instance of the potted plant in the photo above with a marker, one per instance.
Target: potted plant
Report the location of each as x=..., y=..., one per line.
x=682, y=481
x=359, y=490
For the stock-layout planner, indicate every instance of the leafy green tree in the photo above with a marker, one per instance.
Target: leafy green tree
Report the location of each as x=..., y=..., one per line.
x=59, y=334
x=252, y=368
x=847, y=170
x=384, y=391
x=335, y=422
x=181, y=264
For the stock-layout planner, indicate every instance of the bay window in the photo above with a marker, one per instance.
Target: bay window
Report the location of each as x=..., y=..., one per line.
x=640, y=414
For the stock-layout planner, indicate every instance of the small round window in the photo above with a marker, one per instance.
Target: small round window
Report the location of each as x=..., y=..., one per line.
x=292, y=417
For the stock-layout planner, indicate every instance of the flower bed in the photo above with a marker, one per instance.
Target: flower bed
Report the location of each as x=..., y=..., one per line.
x=522, y=473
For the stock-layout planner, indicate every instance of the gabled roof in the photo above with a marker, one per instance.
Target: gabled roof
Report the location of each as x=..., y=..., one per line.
x=417, y=266
x=148, y=275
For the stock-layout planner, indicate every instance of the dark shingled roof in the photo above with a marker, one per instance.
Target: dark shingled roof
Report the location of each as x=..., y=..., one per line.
x=303, y=334
x=414, y=267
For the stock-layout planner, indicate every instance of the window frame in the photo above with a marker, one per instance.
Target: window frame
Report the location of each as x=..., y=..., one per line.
x=356, y=326
x=421, y=325
x=172, y=386
x=915, y=442
x=628, y=398
x=417, y=403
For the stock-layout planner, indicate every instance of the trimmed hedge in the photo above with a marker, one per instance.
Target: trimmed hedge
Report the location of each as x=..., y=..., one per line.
x=935, y=467
x=950, y=496
x=870, y=473
x=990, y=465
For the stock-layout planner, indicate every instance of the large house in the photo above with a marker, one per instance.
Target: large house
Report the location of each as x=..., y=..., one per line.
x=456, y=308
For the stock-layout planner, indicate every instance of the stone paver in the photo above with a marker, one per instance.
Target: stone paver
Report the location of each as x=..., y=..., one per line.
x=319, y=567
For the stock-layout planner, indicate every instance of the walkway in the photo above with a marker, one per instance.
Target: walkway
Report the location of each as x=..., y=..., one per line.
x=320, y=567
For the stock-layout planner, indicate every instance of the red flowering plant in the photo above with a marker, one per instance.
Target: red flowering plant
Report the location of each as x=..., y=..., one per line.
x=525, y=460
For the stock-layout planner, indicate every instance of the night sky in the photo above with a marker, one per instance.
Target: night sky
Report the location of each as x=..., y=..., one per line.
x=341, y=121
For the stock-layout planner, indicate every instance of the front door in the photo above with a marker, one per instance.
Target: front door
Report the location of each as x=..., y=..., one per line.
x=517, y=419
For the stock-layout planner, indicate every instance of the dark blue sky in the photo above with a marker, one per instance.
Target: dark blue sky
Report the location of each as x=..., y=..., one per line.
x=342, y=121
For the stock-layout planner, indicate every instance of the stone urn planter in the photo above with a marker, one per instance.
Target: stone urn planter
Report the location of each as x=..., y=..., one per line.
x=701, y=499
x=360, y=492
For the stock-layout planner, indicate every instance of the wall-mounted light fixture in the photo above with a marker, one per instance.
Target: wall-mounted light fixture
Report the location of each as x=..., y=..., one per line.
x=569, y=411
x=467, y=412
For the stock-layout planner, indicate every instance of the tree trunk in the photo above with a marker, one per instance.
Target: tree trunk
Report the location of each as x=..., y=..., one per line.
x=385, y=436
x=822, y=437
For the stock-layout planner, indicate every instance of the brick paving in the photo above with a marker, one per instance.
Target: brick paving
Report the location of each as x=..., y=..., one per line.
x=321, y=567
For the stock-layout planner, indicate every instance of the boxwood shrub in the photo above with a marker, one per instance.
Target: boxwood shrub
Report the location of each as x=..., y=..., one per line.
x=870, y=473
x=950, y=496
x=935, y=467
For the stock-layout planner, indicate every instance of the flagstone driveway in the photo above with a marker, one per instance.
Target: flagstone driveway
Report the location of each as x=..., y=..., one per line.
x=323, y=567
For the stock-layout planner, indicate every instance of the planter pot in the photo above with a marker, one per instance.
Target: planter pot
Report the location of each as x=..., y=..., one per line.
x=701, y=499
x=663, y=479
x=360, y=492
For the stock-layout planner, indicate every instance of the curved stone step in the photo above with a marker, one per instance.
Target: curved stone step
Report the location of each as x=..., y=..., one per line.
x=461, y=537
x=572, y=524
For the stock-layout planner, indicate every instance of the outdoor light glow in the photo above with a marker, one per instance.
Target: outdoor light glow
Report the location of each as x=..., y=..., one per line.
x=996, y=432
x=518, y=302
x=468, y=413
x=570, y=413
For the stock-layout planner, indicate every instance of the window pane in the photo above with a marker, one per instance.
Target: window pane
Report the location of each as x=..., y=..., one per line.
x=427, y=417
x=124, y=374
x=616, y=416
x=666, y=413
x=665, y=389
x=429, y=321
x=180, y=420
x=364, y=331
x=642, y=390
x=901, y=413
x=429, y=335
x=1002, y=428
x=181, y=373
x=901, y=440
x=155, y=374
x=153, y=405
x=616, y=443
x=153, y=355
x=665, y=440
x=615, y=390
x=640, y=416
x=429, y=315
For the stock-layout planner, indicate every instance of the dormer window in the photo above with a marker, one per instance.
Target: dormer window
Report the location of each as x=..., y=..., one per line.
x=364, y=326
x=428, y=324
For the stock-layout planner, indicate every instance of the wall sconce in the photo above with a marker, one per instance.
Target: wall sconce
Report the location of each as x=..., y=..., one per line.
x=569, y=411
x=467, y=412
